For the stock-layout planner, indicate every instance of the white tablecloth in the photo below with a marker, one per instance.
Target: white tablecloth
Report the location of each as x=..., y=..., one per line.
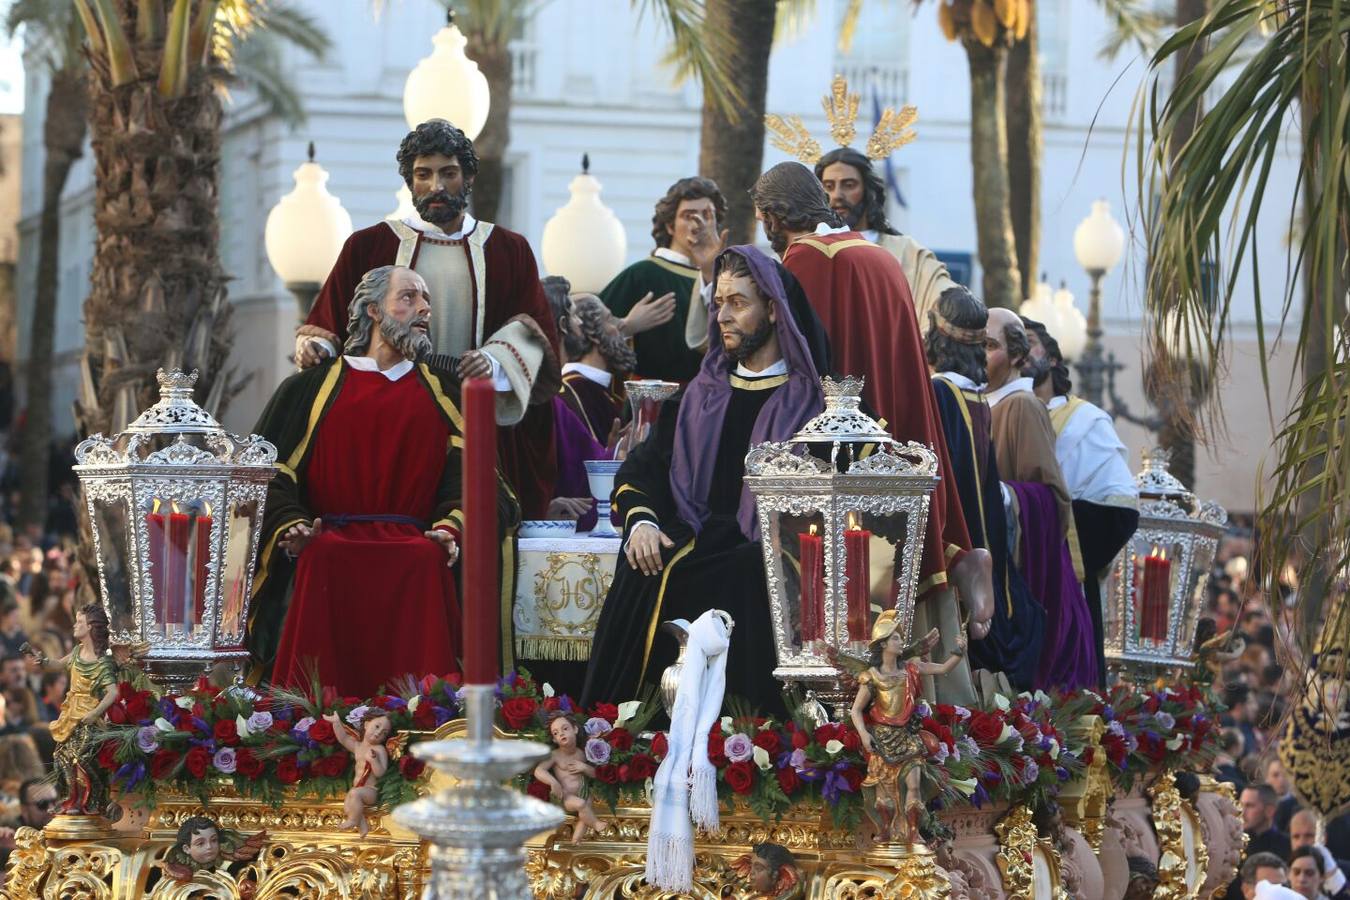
x=560, y=586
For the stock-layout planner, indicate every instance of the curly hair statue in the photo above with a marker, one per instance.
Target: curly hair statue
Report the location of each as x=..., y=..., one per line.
x=436, y=136
x=695, y=188
x=872, y=209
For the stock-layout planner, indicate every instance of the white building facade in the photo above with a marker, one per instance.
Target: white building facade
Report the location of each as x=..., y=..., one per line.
x=588, y=80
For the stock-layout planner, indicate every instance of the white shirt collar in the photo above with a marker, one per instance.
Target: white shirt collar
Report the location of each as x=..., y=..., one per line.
x=368, y=364
x=417, y=222
x=778, y=368
x=822, y=228
x=672, y=256
x=1056, y=401
x=590, y=373
x=960, y=381
x=1016, y=385
x=872, y=235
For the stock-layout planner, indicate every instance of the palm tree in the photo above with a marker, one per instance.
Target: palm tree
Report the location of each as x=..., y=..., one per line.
x=57, y=33
x=1023, y=117
x=157, y=289
x=489, y=26
x=1202, y=190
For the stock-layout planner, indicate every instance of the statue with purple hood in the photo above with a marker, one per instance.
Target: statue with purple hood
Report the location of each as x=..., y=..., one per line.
x=692, y=540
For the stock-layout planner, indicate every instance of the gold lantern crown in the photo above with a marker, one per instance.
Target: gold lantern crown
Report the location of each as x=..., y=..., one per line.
x=841, y=110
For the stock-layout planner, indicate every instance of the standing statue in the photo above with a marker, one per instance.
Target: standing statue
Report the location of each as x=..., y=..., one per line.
x=883, y=713
x=93, y=688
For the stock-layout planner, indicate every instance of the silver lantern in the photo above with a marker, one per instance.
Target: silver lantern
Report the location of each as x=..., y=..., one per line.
x=1155, y=593
x=176, y=505
x=842, y=509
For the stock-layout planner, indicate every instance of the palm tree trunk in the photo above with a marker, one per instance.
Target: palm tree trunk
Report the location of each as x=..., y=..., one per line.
x=63, y=133
x=494, y=61
x=157, y=289
x=731, y=152
x=989, y=158
x=1025, y=144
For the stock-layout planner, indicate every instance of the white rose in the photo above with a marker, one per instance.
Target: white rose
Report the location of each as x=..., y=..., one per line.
x=726, y=724
x=185, y=702
x=548, y=689
x=414, y=703
x=241, y=725
x=627, y=711
x=163, y=725
x=1002, y=702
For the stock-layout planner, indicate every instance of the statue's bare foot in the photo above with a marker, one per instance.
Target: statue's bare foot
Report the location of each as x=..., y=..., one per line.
x=974, y=578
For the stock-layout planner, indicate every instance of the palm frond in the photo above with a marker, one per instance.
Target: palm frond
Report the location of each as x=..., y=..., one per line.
x=56, y=27
x=236, y=21
x=257, y=65
x=1133, y=22
x=696, y=51
x=1202, y=197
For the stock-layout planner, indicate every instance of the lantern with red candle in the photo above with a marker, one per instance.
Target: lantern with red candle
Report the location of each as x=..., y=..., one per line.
x=812, y=586
x=1154, y=595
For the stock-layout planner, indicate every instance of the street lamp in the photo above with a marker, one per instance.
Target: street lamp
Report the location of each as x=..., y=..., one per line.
x=584, y=241
x=305, y=232
x=1072, y=334
x=447, y=84
x=1098, y=242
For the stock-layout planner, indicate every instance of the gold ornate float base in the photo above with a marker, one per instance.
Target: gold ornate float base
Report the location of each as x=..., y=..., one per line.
x=835, y=865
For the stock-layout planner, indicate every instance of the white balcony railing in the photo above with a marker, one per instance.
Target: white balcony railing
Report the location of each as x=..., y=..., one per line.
x=1054, y=95
x=889, y=83
x=524, y=68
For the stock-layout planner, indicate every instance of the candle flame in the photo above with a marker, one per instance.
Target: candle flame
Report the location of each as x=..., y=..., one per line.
x=852, y=521
x=207, y=507
x=813, y=527
x=154, y=507
x=173, y=507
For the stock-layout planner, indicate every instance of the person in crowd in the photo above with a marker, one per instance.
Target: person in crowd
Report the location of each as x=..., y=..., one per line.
x=51, y=692
x=1143, y=878
x=1303, y=834
x=12, y=636
x=1259, y=867
x=1308, y=871
x=21, y=706
x=37, y=805
x=1264, y=843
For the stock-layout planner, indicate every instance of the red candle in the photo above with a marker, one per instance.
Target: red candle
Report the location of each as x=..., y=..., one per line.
x=858, y=569
x=813, y=587
x=1157, y=587
x=155, y=529
x=480, y=598
x=175, y=569
x=202, y=549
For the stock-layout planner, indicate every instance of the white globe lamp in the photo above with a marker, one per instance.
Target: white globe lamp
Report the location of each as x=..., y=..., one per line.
x=305, y=232
x=447, y=85
x=584, y=241
x=1071, y=324
x=1099, y=241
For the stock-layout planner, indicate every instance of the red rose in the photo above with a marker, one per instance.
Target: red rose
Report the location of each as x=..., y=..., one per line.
x=198, y=760
x=288, y=770
x=322, y=732
x=117, y=714
x=854, y=777
x=660, y=747
x=800, y=740
x=537, y=789
x=138, y=707
x=826, y=733
x=740, y=777
x=608, y=773
x=849, y=738
x=412, y=768
x=769, y=741
x=246, y=764
x=789, y=780
x=425, y=717
x=162, y=763
x=331, y=766
x=607, y=711
x=107, y=755
x=552, y=704
x=226, y=732
x=716, y=755
x=620, y=739
x=985, y=727
x=519, y=712
x=641, y=767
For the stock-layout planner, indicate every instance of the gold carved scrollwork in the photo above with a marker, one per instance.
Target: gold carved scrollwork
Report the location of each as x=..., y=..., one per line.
x=1168, y=810
x=27, y=864
x=1084, y=799
x=1018, y=844
x=572, y=582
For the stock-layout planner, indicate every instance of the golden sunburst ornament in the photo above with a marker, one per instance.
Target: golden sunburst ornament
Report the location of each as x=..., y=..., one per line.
x=893, y=131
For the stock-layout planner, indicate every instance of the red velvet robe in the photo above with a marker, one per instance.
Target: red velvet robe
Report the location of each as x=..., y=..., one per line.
x=862, y=296
x=507, y=286
x=373, y=600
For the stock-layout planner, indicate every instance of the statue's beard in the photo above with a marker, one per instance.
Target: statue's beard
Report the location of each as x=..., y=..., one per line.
x=1037, y=369
x=777, y=239
x=452, y=205
x=750, y=343
x=618, y=355
x=409, y=342
x=852, y=214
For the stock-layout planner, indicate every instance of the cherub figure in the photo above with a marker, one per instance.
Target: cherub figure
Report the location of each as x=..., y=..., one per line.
x=883, y=713
x=772, y=873
x=372, y=760
x=566, y=771
x=201, y=845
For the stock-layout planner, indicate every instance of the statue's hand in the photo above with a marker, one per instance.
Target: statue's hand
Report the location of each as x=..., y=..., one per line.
x=866, y=737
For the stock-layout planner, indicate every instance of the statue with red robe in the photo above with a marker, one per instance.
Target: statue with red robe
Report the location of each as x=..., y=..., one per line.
x=490, y=314
x=363, y=518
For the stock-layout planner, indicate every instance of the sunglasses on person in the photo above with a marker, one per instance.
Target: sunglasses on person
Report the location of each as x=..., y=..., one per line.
x=45, y=804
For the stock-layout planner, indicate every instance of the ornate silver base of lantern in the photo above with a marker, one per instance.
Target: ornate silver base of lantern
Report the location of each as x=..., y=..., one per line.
x=477, y=828
x=179, y=673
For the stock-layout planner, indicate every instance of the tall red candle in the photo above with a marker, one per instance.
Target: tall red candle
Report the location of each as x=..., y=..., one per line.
x=858, y=551
x=480, y=600
x=175, y=575
x=202, y=549
x=155, y=530
x=1157, y=587
x=813, y=587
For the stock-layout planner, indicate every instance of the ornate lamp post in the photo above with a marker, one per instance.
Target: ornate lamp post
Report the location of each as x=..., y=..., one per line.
x=584, y=241
x=176, y=506
x=304, y=233
x=1098, y=242
x=447, y=84
x=1155, y=591
x=841, y=534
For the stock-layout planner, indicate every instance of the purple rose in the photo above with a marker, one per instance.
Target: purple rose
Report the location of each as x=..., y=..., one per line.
x=354, y=717
x=259, y=722
x=147, y=739
x=738, y=748
x=941, y=754
x=797, y=759
x=1030, y=772
x=304, y=725
x=224, y=760
x=596, y=726
x=597, y=752
x=1164, y=720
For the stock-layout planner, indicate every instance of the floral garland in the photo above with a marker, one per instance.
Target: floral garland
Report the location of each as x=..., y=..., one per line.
x=1020, y=750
